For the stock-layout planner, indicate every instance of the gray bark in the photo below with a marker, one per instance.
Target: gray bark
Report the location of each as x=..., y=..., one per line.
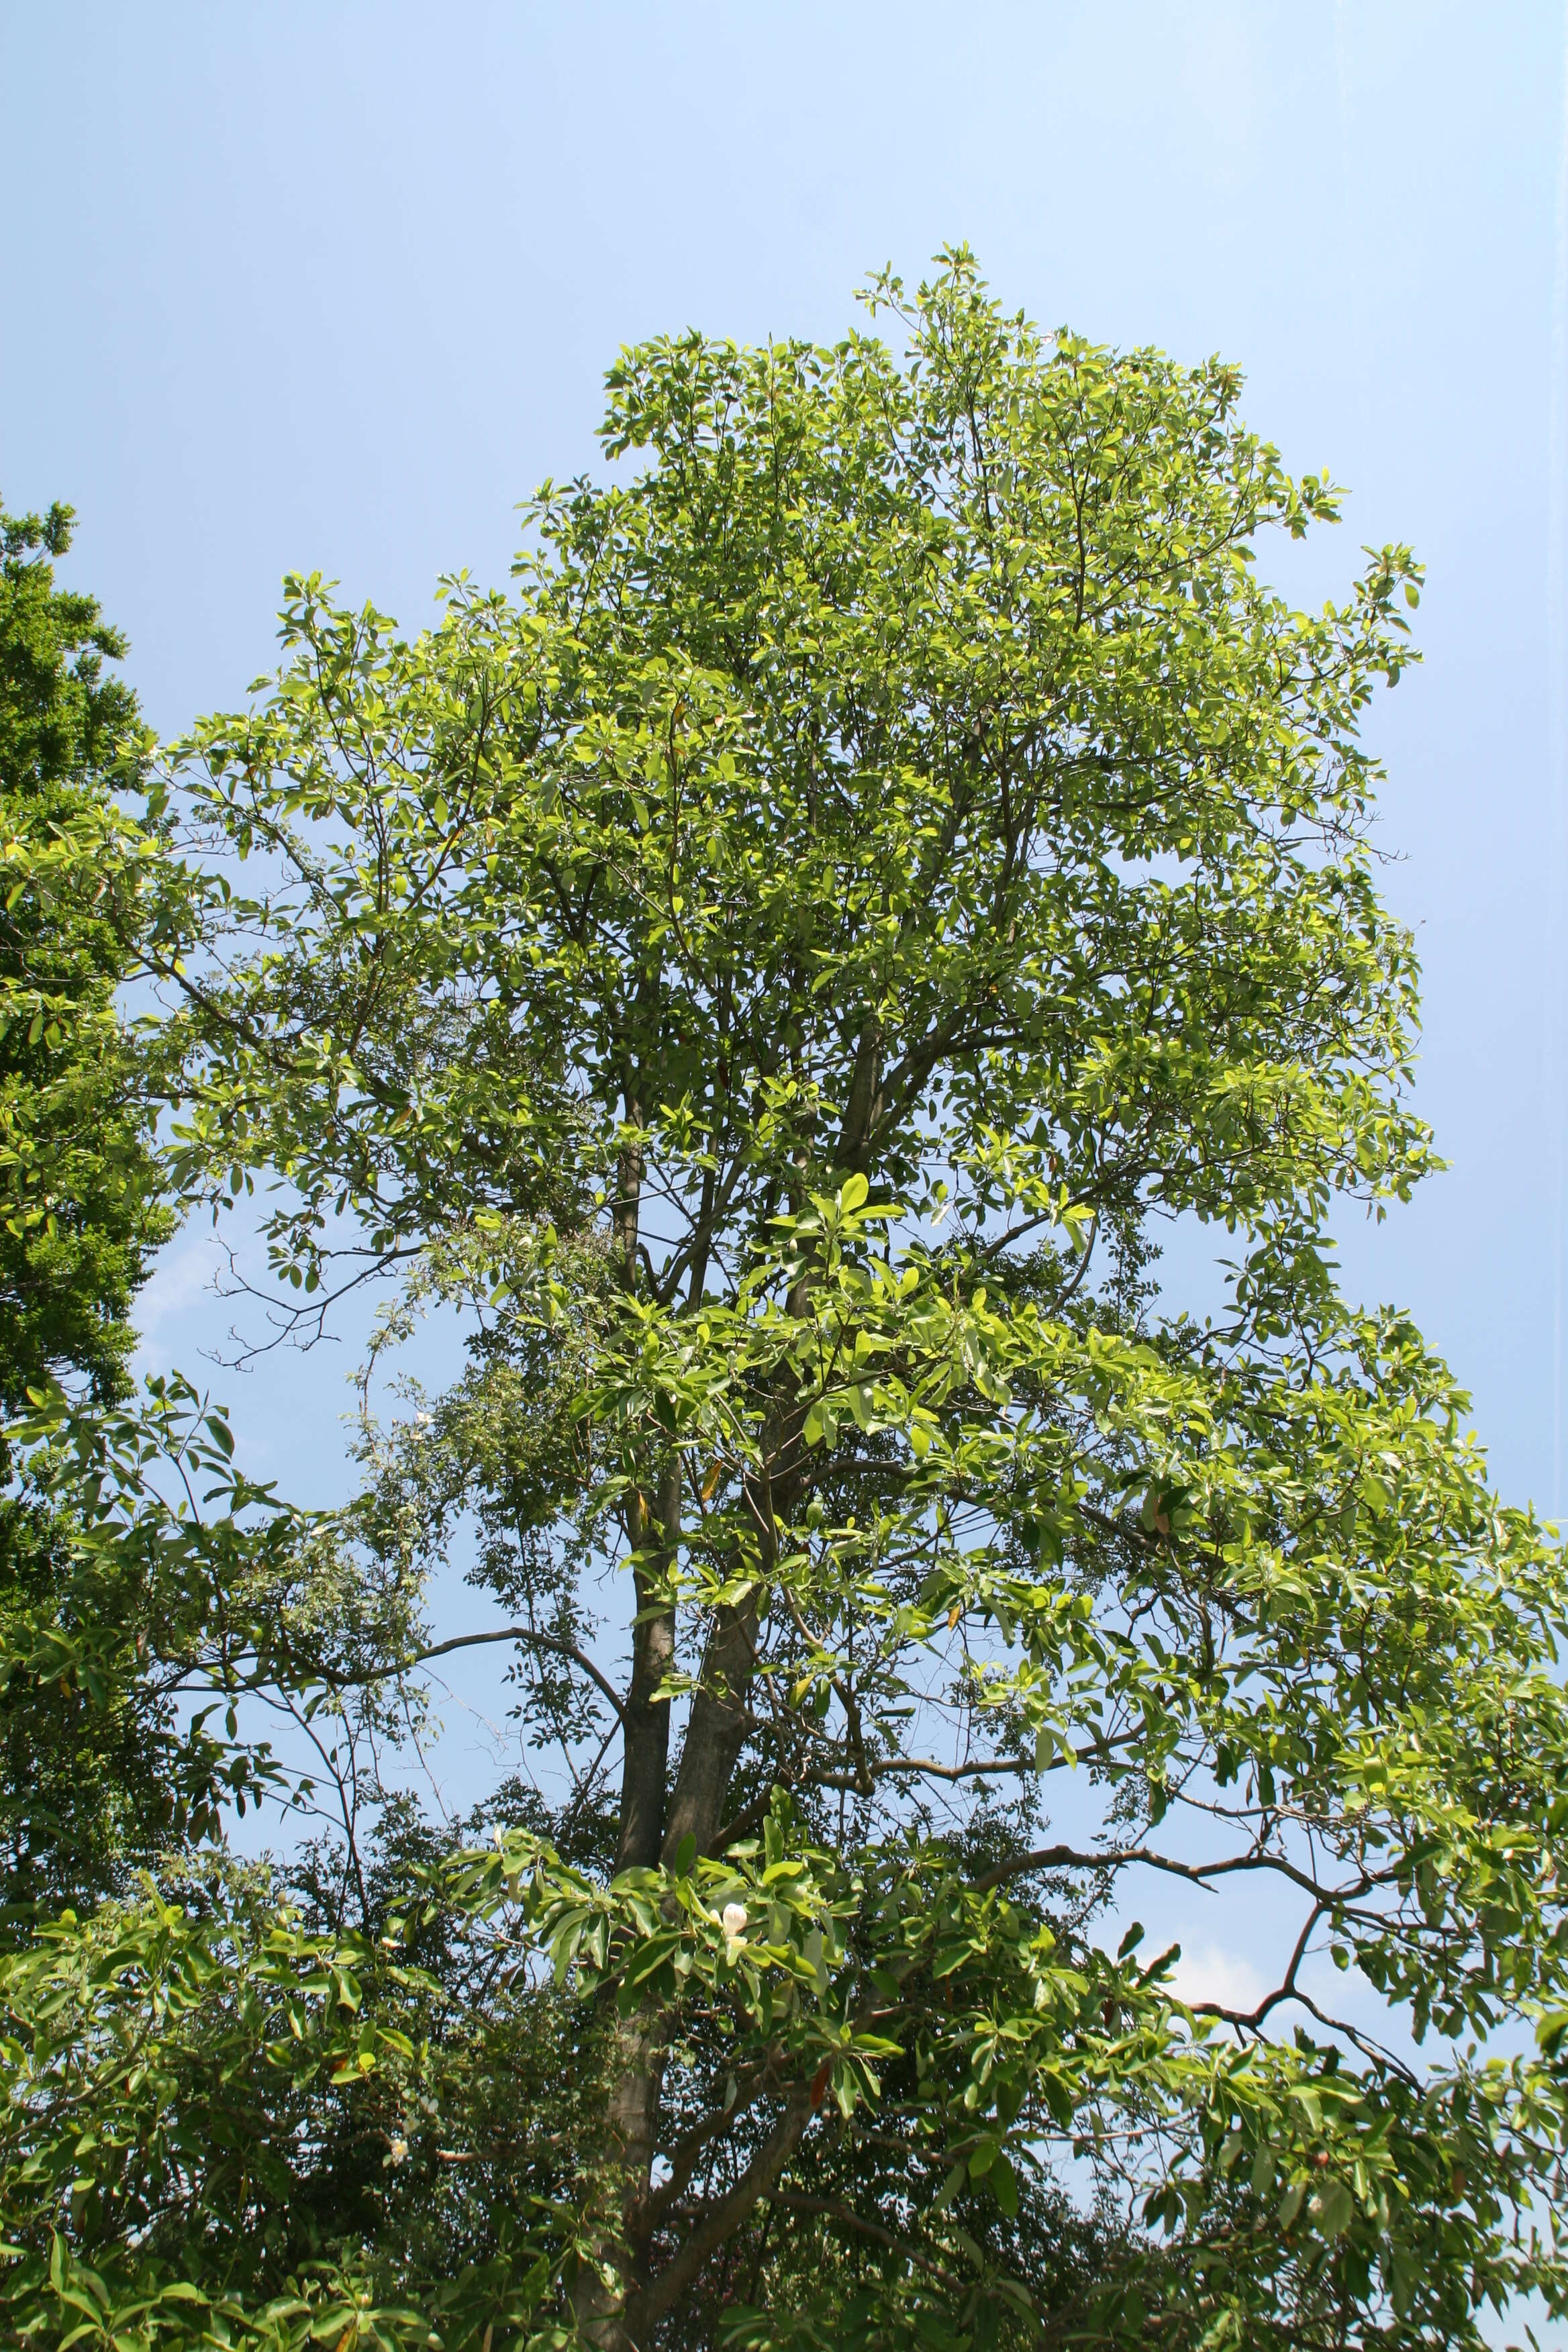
x=717, y=1730
x=645, y=1743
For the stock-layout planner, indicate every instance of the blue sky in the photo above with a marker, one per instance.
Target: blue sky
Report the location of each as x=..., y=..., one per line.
x=334, y=286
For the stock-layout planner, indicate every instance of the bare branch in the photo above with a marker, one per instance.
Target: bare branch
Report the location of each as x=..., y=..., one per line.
x=1198, y=1873
x=524, y=1634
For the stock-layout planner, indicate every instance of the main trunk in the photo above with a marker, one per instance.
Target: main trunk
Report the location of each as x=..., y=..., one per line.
x=613, y=2294
x=604, y=2295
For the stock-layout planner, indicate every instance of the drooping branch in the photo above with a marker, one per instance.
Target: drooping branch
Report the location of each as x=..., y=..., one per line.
x=1198, y=1873
x=523, y=1633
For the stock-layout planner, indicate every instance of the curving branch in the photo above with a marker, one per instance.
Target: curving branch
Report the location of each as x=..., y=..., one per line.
x=1197, y=1873
x=1252, y=2018
x=525, y=1634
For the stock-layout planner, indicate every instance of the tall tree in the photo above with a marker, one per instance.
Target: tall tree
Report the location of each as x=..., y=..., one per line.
x=781, y=971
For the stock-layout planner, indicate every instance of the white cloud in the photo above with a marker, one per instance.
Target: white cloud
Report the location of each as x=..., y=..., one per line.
x=1208, y=1972
x=177, y=1281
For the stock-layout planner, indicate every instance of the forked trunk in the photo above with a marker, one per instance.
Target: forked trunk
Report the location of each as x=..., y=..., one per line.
x=614, y=2301
x=605, y=2292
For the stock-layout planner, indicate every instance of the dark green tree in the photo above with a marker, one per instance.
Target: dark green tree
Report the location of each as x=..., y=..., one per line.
x=83, y=1199
x=87, y=1783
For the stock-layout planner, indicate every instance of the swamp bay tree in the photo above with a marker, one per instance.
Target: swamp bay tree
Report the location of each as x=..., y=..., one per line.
x=779, y=971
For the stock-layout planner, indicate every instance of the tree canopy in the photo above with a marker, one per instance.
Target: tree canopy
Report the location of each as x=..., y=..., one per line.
x=779, y=971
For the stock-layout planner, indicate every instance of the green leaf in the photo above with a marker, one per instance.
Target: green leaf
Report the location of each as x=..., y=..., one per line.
x=1004, y=2182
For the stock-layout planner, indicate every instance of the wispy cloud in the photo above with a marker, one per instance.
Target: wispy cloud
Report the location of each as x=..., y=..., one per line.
x=1209, y=1972
x=181, y=1277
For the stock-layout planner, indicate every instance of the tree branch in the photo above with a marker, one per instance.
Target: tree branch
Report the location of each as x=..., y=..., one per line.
x=847, y=2219
x=722, y=2219
x=475, y=1641
x=1066, y=1857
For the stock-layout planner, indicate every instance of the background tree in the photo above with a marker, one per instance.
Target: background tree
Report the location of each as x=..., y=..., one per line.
x=82, y=1197
x=106, y=1592
x=82, y=1190
x=779, y=973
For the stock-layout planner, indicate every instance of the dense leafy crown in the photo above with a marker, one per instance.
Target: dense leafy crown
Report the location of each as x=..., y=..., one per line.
x=779, y=973
x=82, y=1207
